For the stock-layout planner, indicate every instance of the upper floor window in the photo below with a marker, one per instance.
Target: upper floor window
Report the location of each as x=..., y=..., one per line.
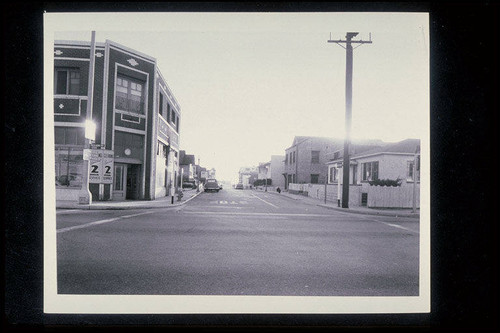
x=129, y=95
x=286, y=159
x=67, y=81
x=161, y=106
x=370, y=171
x=315, y=156
x=293, y=157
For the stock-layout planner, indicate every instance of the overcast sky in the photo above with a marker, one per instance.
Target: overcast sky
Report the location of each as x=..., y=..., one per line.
x=247, y=83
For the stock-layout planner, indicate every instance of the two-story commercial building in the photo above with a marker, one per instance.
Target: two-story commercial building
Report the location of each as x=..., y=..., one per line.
x=136, y=117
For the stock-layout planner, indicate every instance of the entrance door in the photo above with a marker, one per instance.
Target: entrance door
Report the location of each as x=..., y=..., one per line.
x=119, y=184
x=132, y=191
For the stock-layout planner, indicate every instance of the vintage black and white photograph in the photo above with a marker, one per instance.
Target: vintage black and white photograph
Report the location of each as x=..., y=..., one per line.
x=236, y=162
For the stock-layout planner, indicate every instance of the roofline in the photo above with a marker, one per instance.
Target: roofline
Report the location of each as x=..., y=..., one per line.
x=77, y=43
x=168, y=88
x=368, y=155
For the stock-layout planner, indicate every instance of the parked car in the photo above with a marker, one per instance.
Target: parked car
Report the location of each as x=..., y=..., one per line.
x=188, y=185
x=239, y=186
x=211, y=185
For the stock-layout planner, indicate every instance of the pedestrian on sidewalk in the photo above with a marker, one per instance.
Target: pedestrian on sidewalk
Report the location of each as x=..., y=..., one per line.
x=278, y=190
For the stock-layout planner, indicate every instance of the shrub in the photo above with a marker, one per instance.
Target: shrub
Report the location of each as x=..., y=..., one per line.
x=386, y=182
x=262, y=182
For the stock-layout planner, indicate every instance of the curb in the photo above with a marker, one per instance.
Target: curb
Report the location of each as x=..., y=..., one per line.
x=148, y=205
x=354, y=211
x=376, y=213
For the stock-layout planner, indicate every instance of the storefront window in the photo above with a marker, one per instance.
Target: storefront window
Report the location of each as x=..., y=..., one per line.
x=69, y=167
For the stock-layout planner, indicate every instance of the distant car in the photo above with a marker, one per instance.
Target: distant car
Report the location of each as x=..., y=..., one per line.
x=239, y=186
x=188, y=185
x=211, y=185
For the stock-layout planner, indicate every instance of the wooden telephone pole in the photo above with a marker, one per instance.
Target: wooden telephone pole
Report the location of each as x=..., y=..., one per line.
x=348, y=108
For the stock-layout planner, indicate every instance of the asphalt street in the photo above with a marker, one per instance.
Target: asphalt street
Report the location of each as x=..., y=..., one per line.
x=237, y=242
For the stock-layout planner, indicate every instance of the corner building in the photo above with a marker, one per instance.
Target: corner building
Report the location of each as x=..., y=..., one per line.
x=136, y=115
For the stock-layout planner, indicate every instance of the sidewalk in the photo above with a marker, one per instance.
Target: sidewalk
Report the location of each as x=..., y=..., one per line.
x=162, y=202
x=357, y=210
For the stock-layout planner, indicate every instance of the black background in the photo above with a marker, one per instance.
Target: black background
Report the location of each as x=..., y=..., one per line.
x=464, y=172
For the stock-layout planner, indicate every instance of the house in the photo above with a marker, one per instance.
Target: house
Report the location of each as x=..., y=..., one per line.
x=264, y=170
x=187, y=166
x=247, y=176
x=305, y=160
x=136, y=118
x=337, y=157
x=388, y=161
x=273, y=171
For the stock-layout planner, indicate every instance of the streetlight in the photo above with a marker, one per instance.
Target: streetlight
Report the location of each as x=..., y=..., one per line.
x=84, y=196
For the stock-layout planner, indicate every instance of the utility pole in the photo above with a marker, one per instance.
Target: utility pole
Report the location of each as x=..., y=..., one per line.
x=348, y=108
x=415, y=170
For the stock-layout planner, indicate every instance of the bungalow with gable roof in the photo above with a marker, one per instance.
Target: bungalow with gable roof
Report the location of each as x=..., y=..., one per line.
x=392, y=161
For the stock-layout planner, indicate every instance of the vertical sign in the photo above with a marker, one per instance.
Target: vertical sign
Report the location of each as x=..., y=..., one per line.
x=95, y=167
x=107, y=167
x=100, y=165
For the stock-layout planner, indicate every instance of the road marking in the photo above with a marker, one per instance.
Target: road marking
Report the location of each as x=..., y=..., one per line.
x=86, y=225
x=297, y=215
x=265, y=201
x=256, y=214
x=397, y=226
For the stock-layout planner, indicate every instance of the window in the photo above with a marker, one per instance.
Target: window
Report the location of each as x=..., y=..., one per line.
x=410, y=171
x=67, y=82
x=314, y=179
x=129, y=95
x=168, y=112
x=293, y=157
x=118, y=186
x=69, y=167
x=69, y=136
x=315, y=156
x=355, y=174
x=160, y=106
x=286, y=159
x=333, y=174
x=370, y=171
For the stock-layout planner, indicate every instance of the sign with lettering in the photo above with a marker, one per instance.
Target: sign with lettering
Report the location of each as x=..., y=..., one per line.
x=107, y=167
x=100, y=166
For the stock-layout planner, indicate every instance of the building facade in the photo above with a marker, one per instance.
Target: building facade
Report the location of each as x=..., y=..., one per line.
x=390, y=161
x=187, y=166
x=277, y=170
x=305, y=159
x=136, y=117
x=247, y=176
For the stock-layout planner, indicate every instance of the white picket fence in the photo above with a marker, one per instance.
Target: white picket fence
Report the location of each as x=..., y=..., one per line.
x=376, y=196
x=392, y=197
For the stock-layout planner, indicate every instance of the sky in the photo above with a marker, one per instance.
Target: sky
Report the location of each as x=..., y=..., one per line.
x=247, y=83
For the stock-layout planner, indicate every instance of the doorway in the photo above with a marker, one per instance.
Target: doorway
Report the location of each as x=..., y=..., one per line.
x=126, y=183
x=132, y=187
